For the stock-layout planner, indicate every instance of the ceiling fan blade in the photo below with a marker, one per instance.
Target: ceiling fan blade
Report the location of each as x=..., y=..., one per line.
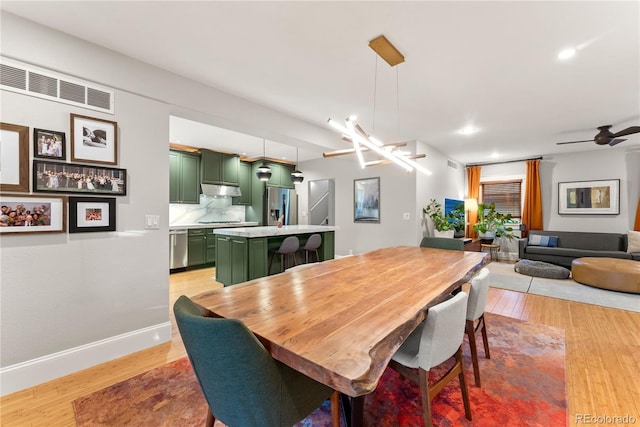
x=627, y=131
x=573, y=142
x=616, y=141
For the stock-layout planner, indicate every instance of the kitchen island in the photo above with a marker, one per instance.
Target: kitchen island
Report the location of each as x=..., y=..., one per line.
x=242, y=253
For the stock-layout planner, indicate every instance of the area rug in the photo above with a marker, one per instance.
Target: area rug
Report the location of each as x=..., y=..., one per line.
x=504, y=277
x=523, y=384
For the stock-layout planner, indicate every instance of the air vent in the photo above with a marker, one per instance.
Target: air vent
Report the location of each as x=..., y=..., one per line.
x=34, y=81
x=452, y=164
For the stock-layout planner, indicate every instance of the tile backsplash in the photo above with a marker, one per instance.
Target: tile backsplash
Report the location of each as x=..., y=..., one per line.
x=211, y=208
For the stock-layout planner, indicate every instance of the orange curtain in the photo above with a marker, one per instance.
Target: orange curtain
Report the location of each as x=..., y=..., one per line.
x=636, y=227
x=532, y=210
x=473, y=189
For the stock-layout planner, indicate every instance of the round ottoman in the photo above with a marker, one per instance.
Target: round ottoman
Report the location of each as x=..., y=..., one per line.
x=608, y=273
x=541, y=269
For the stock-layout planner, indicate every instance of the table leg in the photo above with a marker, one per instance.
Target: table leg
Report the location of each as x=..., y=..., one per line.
x=353, y=410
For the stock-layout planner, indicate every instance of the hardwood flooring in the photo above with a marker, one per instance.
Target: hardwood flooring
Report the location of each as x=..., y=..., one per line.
x=602, y=346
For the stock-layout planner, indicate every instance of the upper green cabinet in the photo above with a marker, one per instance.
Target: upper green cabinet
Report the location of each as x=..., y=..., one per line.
x=219, y=168
x=280, y=176
x=184, y=177
x=245, y=177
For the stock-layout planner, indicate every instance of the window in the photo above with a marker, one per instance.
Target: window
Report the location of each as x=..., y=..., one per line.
x=505, y=194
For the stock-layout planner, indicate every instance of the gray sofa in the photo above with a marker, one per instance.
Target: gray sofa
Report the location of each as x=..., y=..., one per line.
x=574, y=244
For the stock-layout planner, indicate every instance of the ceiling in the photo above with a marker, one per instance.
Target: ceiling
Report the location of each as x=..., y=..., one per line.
x=492, y=65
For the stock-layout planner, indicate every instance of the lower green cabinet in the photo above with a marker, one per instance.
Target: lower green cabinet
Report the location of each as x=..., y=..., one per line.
x=201, y=246
x=232, y=260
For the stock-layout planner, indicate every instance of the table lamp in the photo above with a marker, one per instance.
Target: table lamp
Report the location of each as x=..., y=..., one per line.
x=470, y=205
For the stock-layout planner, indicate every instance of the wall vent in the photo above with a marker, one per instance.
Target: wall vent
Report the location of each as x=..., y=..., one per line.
x=34, y=81
x=452, y=164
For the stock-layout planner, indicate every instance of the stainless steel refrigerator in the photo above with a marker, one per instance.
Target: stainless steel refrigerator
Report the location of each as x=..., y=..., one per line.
x=279, y=202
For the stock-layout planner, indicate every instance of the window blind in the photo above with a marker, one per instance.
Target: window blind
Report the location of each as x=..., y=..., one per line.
x=505, y=194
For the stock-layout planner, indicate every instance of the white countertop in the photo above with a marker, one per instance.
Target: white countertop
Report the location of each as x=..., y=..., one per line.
x=273, y=230
x=212, y=225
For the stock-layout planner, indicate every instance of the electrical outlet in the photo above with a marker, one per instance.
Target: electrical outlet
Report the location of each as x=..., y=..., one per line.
x=406, y=216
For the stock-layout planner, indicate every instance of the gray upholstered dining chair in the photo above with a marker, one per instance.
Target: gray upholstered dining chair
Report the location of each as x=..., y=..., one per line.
x=433, y=342
x=288, y=248
x=442, y=243
x=242, y=384
x=475, y=313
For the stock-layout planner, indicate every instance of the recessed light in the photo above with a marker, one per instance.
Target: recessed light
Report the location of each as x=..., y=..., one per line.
x=468, y=130
x=566, y=53
x=495, y=155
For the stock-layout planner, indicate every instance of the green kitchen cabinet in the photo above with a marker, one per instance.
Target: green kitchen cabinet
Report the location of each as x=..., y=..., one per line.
x=184, y=177
x=197, y=247
x=232, y=263
x=201, y=246
x=210, y=246
x=280, y=176
x=219, y=168
x=245, y=178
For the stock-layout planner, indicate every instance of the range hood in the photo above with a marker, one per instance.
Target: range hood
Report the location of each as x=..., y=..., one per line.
x=220, y=190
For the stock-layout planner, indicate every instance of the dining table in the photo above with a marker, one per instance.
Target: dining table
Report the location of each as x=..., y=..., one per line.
x=340, y=321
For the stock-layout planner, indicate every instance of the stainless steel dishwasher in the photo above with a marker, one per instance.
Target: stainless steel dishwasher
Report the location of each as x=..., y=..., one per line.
x=178, y=248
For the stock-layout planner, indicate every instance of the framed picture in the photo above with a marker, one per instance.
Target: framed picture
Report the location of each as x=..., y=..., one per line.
x=49, y=144
x=366, y=200
x=90, y=214
x=28, y=213
x=55, y=177
x=94, y=140
x=14, y=158
x=600, y=197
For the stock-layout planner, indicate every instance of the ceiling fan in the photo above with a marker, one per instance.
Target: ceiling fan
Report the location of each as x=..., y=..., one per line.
x=605, y=136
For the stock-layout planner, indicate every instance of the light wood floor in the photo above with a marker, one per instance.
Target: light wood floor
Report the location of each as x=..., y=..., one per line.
x=602, y=346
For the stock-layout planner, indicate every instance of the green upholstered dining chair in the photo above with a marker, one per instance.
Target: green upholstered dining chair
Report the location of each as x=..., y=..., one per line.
x=475, y=318
x=434, y=341
x=243, y=385
x=442, y=243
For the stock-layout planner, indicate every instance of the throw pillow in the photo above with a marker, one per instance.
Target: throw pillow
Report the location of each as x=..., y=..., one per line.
x=540, y=240
x=633, y=241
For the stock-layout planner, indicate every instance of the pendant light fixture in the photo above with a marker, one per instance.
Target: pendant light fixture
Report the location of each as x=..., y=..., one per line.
x=296, y=175
x=264, y=171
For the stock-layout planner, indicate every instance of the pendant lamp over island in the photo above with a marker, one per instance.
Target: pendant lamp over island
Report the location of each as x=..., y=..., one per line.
x=264, y=171
x=296, y=175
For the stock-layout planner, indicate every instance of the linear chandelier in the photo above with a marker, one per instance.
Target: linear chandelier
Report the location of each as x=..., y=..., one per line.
x=353, y=133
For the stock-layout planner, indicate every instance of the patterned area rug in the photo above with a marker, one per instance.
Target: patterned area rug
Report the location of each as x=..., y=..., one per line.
x=523, y=384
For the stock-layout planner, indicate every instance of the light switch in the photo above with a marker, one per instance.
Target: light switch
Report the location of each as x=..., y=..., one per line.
x=406, y=216
x=152, y=222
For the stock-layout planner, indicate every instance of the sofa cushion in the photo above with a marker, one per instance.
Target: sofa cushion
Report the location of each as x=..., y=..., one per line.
x=540, y=240
x=587, y=240
x=633, y=241
x=576, y=253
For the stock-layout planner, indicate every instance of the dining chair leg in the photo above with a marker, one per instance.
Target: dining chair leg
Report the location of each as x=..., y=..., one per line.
x=485, y=340
x=471, y=334
x=335, y=409
x=425, y=395
x=211, y=420
x=463, y=384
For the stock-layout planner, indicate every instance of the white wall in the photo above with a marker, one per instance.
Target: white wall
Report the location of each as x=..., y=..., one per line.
x=400, y=193
x=603, y=163
x=72, y=301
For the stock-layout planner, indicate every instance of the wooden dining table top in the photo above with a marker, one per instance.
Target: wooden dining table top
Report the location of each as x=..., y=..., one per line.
x=341, y=320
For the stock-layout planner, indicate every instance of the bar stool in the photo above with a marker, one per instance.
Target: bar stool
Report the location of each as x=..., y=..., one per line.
x=313, y=243
x=288, y=247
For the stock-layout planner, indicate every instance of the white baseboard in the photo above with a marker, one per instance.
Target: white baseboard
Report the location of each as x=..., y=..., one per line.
x=36, y=371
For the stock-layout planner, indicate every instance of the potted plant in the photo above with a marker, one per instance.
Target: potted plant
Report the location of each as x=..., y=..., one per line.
x=492, y=224
x=457, y=219
x=443, y=227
